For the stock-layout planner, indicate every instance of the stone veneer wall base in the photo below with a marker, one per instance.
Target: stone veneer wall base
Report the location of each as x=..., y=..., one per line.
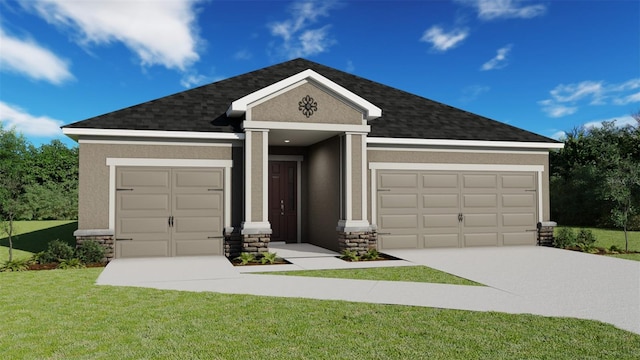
x=360, y=242
x=104, y=237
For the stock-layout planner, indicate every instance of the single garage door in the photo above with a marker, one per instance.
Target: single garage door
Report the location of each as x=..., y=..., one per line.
x=169, y=211
x=425, y=209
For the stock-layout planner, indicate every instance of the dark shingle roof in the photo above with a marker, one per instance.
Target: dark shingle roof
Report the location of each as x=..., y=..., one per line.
x=404, y=115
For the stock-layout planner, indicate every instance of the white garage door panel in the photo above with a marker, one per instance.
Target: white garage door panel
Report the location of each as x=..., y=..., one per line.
x=456, y=208
x=144, y=202
x=517, y=219
x=197, y=178
x=479, y=181
x=142, y=248
x=440, y=201
x=399, y=201
x=441, y=240
x=480, y=200
x=443, y=181
x=169, y=211
x=399, y=222
x=206, y=201
x=440, y=221
x=399, y=241
x=147, y=178
x=518, y=181
x=409, y=181
x=519, y=200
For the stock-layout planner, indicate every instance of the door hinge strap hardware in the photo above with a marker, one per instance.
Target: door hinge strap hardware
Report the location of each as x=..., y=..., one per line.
x=124, y=239
x=531, y=190
x=123, y=189
x=214, y=189
x=384, y=233
x=215, y=237
x=384, y=189
x=536, y=230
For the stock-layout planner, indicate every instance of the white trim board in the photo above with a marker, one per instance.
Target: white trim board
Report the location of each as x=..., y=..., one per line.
x=239, y=107
x=468, y=151
x=276, y=125
x=161, y=143
x=464, y=143
x=152, y=134
x=112, y=163
x=376, y=166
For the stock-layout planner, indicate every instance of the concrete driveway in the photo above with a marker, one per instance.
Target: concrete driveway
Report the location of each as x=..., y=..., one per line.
x=529, y=279
x=550, y=281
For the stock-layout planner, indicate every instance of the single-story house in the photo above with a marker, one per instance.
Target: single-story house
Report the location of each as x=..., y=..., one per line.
x=301, y=152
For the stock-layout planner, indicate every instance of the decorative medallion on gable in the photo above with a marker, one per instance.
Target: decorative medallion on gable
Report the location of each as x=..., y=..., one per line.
x=308, y=106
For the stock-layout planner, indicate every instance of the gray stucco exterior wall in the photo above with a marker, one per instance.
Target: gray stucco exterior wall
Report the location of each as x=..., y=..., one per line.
x=324, y=193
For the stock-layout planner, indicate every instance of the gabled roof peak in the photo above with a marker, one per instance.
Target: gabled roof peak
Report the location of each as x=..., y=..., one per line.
x=239, y=106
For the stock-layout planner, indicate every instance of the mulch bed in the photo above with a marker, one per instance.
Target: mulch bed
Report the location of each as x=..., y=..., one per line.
x=258, y=262
x=383, y=257
x=51, y=266
x=603, y=251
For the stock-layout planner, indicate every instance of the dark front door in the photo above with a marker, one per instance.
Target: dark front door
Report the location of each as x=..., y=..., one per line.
x=283, y=201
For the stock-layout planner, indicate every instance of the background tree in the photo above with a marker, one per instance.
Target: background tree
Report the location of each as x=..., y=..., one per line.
x=13, y=180
x=594, y=178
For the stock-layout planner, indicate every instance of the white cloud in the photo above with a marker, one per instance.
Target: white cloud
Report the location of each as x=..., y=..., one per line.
x=504, y=9
x=26, y=57
x=620, y=121
x=442, y=41
x=298, y=39
x=28, y=124
x=627, y=99
x=566, y=98
x=243, y=54
x=556, y=110
x=158, y=32
x=350, y=67
x=499, y=61
x=472, y=92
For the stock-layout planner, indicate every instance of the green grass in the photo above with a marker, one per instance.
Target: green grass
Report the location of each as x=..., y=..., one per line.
x=607, y=238
x=60, y=314
x=401, y=273
x=33, y=236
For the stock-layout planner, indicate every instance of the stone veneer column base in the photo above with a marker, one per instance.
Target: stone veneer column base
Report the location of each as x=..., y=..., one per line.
x=232, y=244
x=255, y=244
x=104, y=237
x=545, y=233
x=358, y=241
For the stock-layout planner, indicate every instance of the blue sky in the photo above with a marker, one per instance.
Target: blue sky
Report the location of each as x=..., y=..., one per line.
x=545, y=66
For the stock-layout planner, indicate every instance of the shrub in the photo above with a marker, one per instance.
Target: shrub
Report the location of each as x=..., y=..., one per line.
x=564, y=238
x=246, y=258
x=58, y=251
x=16, y=265
x=585, y=236
x=40, y=257
x=269, y=258
x=372, y=254
x=614, y=249
x=349, y=255
x=90, y=251
x=73, y=263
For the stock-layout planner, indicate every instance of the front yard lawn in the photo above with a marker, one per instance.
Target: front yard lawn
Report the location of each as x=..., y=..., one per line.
x=400, y=273
x=61, y=314
x=606, y=238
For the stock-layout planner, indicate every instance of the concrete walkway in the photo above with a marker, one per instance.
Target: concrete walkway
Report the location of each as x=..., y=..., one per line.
x=534, y=280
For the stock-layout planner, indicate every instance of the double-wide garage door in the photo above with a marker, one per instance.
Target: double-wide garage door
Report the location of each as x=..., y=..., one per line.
x=169, y=211
x=424, y=209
